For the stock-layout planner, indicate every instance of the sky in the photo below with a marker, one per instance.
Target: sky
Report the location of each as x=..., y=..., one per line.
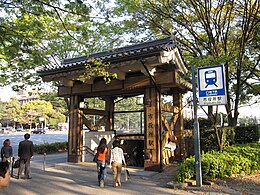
x=6, y=93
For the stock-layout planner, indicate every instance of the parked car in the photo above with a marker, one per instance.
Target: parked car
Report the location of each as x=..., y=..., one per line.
x=39, y=131
x=19, y=129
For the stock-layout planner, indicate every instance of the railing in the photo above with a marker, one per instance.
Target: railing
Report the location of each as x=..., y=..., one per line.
x=87, y=149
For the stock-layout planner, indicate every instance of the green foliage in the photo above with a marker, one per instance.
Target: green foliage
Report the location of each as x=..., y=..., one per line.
x=188, y=124
x=51, y=148
x=247, y=134
x=34, y=109
x=205, y=123
x=42, y=33
x=52, y=111
x=199, y=36
x=95, y=68
x=186, y=170
x=234, y=159
x=58, y=103
x=250, y=151
x=209, y=139
x=11, y=110
x=127, y=104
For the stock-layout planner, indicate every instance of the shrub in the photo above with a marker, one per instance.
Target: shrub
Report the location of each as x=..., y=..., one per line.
x=248, y=134
x=186, y=170
x=250, y=151
x=233, y=160
x=209, y=139
x=51, y=148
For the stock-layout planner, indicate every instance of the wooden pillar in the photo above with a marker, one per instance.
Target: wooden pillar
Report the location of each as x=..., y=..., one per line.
x=109, y=108
x=152, y=130
x=178, y=127
x=75, y=131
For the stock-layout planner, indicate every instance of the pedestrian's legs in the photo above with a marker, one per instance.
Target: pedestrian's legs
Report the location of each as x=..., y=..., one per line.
x=119, y=169
x=27, y=168
x=103, y=173
x=20, y=168
x=104, y=170
x=101, y=167
x=114, y=173
x=99, y=171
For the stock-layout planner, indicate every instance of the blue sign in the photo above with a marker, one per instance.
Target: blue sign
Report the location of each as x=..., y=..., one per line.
x=211, y=84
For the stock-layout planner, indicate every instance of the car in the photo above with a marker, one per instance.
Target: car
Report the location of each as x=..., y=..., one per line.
x=39, y=131
x=19, y=129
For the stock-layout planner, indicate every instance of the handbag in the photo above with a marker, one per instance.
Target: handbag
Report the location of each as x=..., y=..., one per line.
x=16, y=164
x=95, y=157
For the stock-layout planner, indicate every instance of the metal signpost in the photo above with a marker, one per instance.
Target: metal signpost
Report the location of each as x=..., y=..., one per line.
x=212, y=91
x=196, y=133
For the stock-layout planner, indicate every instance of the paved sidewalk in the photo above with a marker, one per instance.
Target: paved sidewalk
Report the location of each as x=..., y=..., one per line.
x=81, y=178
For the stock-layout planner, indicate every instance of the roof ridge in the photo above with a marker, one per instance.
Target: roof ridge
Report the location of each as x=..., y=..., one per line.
x=129, y=48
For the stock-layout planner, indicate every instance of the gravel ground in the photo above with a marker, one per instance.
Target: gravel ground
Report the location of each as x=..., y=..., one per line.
x=240, y=184
x=235, y=185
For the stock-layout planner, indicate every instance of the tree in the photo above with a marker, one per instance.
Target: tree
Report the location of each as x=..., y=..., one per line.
x=59, y=104
x=209, y=33
x=10, y=112
x=36, y=33
x=34, y=110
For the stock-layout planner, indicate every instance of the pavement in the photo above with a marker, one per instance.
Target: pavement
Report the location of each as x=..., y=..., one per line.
x=58, y=177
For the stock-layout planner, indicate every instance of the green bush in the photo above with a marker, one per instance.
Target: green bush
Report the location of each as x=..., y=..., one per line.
x=233, y=160
x=186, y=170
x=51, y=148
x=248, y=134
x=250, y=151
x=209, y=139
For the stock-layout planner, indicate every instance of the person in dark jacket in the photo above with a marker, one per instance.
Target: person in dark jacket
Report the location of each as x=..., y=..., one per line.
x=6, y=151
x=25, y=153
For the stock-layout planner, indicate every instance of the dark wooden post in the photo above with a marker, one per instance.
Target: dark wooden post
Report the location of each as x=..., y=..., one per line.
x=178, y=127
x=152, y=130
x=75, y=131
x=109, y=109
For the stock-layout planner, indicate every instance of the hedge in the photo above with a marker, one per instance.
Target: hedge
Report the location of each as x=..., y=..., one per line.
x=248, y=134
x=51, y=148
x=233, y=160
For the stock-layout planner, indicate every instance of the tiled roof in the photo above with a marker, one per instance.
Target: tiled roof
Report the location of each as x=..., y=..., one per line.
x=138, y=51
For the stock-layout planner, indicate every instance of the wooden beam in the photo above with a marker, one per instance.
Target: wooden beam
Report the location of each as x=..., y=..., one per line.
x=94, y=112
x=66, y=82
x=151, y=70
x=132, y=84
x=120, y=74
x=101, y=85
x=89, y=81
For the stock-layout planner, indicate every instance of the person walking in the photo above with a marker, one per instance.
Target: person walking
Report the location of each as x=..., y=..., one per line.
x=25, y=153
x=7, y=151
x=116, y=160
x=102, y=156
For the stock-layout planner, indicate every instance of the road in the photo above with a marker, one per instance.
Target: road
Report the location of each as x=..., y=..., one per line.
x=49, y=137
